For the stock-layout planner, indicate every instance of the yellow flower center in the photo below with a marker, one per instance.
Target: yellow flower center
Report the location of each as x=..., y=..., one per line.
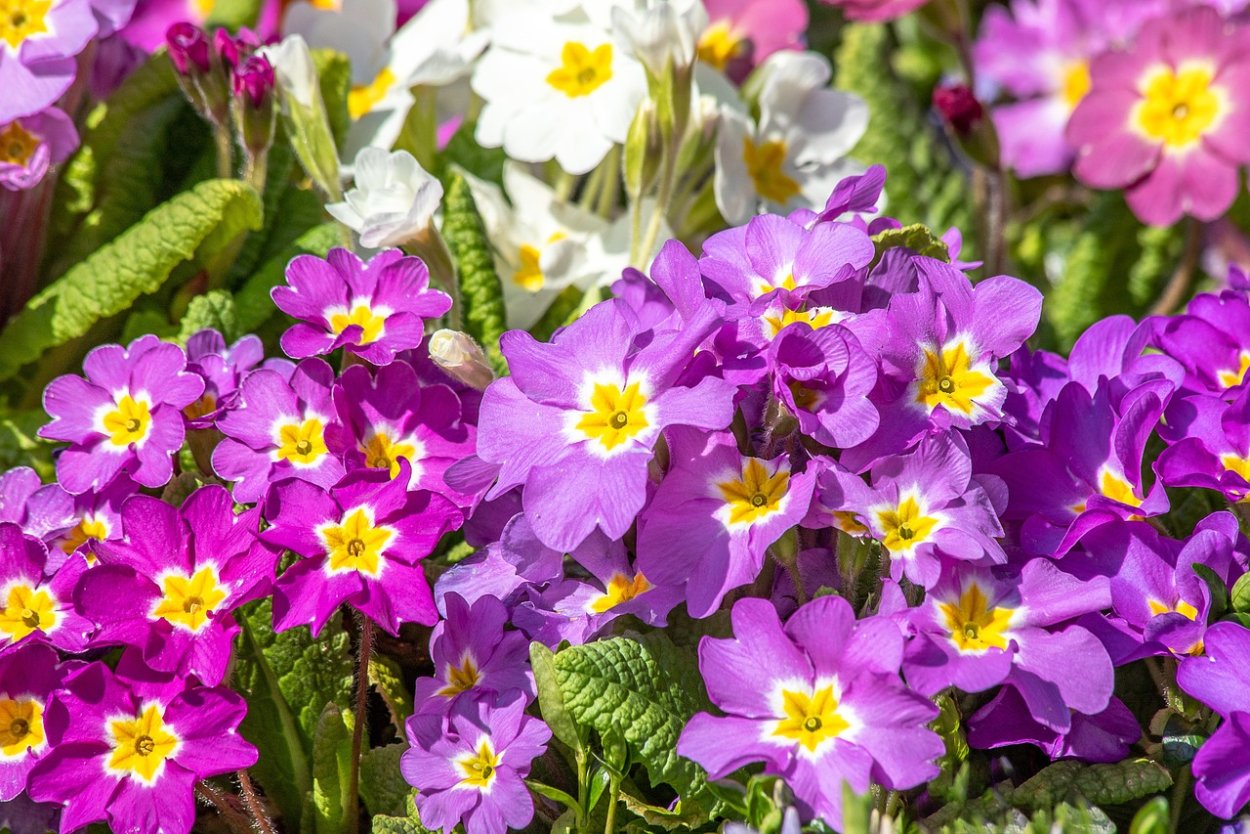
x=88, y=528
x=186, y=601
x=848, y=522
x=1114, y=486
x=141, y=744
x=129, y=421
x=383, y=453
x=905, y=526
x=1076, y=83
x=805, y=399
x=17, y=144
x=364, y=97
x=1183, y=608
x=754, y=496
x=1178, y=107
x=615, y=415
x=301, y=443
x=529, y=274
x=28, y=610
x=356, y=543
x=478, y=769
x=764, y=161
x=461, y=678
x=720, y=44
x=19, y=19
x=1233, y=377
x=621, y=589
x=947, y=378
x=1236, y=463
x=21, y=726
x=815, y=317
x=810, y=719
x=582, y=70
x=202, y=407
x=370, y=320
x=973, y=624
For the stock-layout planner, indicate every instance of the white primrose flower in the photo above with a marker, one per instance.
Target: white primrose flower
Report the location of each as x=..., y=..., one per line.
x=393, y=202
x=657, y=31
x=542, y=245
x=796, y=152
x=555, y=89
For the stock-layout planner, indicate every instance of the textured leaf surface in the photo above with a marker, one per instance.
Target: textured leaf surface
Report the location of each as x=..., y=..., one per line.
x=382, y=786
x=917, y=237
x=332, y=749
x=214, y=309
x=481, y=294
x=198, y=222
x=252, y=302
x=640, y=690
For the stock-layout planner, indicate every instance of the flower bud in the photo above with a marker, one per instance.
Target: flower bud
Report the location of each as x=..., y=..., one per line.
x=461, y=357
x=233, y=50
x=203, y=79
x=643, y=147
x=253, y=84
x=959, y=107
x=189, y=49
x=304, y=113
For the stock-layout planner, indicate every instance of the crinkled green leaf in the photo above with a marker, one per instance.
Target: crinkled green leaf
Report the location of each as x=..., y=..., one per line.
x=1240, y=596
x=405, y=824
x=385, y=674
x=382, y=785
x=21, y=446
x=252, y=301
x=640, y=690
x=193, y=225
x=214, y=309
x=551, y=696
x=1101, y=784
x=332, y=754
x=481, y=294
x=917, y=237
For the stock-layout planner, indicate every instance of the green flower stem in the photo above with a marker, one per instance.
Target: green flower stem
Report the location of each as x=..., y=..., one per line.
x=614, y=799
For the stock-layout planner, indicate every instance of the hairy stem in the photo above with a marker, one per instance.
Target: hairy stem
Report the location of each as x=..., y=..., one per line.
x=358, y=729
x=254, y=807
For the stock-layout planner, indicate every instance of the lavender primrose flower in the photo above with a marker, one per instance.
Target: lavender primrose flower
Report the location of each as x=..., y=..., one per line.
x=29, y=145
x=1006, y=720
x=361, y=543
x=922, y=506
x=223, y=369
x=1210, y=445
x=373, y=309
x=1219, y=680
x=129, y=749
x=40, y=510
x=28, y=675
x=473, y=655
x=278, y=431
x=578, y=419
x=390, y=416
x=37, y=48
x=819, y=702
x=979, y=628
x=36, y=606
x=169, y=587
x=714, y=516
x=470, y=767
x=126, y=415
x=1212, y=341
x=824, y=377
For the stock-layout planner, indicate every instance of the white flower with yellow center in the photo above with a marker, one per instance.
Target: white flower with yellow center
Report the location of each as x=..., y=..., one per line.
x=558, y=90
x=542, y=245
x=393, y=201
x=794, y=155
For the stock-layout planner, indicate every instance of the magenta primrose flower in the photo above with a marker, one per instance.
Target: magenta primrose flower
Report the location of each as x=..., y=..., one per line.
x=373, y=309
x=168, y=588
x=1210, y=444
x=126, y=415
x=714, y=516
x=819, y=702
x=223, y=368
x=361, y=543
x=577, y=420
x=741, y=33
x=28, y=675
x=470, y=766
x=278, y=431
x=1164, y=120
x=1212, y=341
x=129, y=749
x=36, y=605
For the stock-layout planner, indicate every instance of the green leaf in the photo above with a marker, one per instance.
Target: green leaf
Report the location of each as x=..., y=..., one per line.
x=192, y=226
x=554, y=794
x=551, y=697
x=639, y=690
x=1218, y=589
x=409, y=824
x=252, y=301
x=1151, y=818
x=334, y=74
x=332, y=754
x=1101, y=784
x=20, y=445
x=1240, y=596
x=481, y=294
x=463, y=151
x=214, y=309
x=382, y=785
x=385, y=674
x=558, y=313
x=917, y=237
x=233, y=13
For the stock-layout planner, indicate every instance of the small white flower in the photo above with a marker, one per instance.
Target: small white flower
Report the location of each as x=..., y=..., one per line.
x=659, y=30
x=796, y=153
x=556, y=89
x=542, y=245
x=293, y=65
x=393, y=202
